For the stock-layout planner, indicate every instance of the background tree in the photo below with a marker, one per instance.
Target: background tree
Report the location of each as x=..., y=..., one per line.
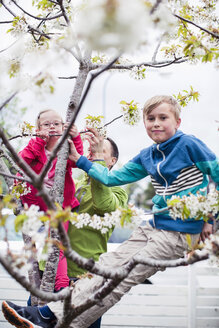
x=46, y=34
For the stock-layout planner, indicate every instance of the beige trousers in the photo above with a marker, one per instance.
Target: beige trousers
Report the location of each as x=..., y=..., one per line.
x=145, y=241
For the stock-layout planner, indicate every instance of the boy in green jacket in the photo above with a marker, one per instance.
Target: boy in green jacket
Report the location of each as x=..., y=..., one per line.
x=95, y=198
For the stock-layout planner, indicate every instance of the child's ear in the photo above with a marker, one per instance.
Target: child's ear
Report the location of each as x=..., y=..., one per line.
x=178, y=123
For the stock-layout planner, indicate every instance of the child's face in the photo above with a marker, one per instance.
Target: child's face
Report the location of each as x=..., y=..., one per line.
x=51, y=122
x=161, y=123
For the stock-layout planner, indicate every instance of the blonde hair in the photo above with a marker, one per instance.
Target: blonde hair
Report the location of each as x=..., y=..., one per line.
x=42, y=112
x=158, y=100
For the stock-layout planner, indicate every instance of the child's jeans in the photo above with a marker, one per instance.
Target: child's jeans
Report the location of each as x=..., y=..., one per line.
x=145, y=241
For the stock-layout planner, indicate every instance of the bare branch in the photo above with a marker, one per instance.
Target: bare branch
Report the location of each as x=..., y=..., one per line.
x=10, y=160
x=48, y=297
x=157, y=48
x=156, y=5
x=195, y=257
x=4, y=168
x=31, y=135
x=67, y=77
x=35, y=17
x=6, y=22
x=9, y=10
x=7, y=100
x=149, y=64
x=60, y=2
x=35, y=180
x=215, y=35
x=14, y=177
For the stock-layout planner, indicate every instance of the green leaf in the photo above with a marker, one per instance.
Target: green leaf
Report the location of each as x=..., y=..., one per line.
x=19, y=221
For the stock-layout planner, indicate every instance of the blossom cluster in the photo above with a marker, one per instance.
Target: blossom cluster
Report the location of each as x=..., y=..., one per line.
x=20, y=189
x=194, y=206
x=30, y=223
x=131, y=112
x=96, y=123
x=138, y=73
x=130, y=217
x=26, y=128
x=212, y=246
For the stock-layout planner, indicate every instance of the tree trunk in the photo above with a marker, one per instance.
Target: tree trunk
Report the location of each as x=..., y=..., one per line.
x=57, y=190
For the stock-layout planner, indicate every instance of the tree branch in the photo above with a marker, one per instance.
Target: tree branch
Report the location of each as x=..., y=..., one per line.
x=10, y=160
x=15, y=177
x=9, y=10
x=7, y=100
x=196, y=25
x=60, y=2
x=35, y=180
x=149, y=64
x=47, y=297
x=35, y=17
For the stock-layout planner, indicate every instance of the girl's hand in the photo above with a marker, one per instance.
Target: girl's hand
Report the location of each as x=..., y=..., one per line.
x=73, y=154
x=43, y=134
x=73, y=132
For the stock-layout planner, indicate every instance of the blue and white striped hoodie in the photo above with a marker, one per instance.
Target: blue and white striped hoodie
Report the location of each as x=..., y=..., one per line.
x=178, y=166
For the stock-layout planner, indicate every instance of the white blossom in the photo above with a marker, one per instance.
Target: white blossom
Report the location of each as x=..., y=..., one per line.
x=163, y=18
x=131, y=112
x=194, y=206
x=138, y=73
x=212, y=246
x=112, y=24
x=109, y=220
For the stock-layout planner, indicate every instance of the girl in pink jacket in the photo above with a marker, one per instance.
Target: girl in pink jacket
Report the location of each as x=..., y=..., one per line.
x=36, y=154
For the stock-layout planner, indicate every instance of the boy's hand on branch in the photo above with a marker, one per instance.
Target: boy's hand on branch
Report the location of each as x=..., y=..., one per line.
x=96, y=144
x=73, y=154
x=207, y=230
x=73, y=132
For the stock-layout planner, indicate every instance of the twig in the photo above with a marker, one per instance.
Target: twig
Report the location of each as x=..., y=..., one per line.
x=9, y=10
x=7, y=100
x=67, y=77
x=6, y=22
x=15, y=177
x=36, y=180
x=196, y=25
x=152, y=64
x=32, y=135
x=81, y=132
x=60, y=2
x=10, y=160
x=35, y=17
x=155, y=6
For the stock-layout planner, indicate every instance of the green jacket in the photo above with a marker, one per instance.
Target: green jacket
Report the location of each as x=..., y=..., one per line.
x=94, y=198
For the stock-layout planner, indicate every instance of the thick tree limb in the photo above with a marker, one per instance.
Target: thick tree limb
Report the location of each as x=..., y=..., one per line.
x=47, y=297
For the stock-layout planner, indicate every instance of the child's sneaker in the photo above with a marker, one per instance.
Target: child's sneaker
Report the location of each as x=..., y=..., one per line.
x=25, y=316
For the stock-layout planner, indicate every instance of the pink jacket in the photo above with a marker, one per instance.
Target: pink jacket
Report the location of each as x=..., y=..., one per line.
x=35, y=156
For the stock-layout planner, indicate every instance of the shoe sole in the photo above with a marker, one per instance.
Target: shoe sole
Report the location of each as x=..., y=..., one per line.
x=14, y=318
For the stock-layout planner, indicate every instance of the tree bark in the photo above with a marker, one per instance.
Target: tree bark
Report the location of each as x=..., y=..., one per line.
x=57, y=191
